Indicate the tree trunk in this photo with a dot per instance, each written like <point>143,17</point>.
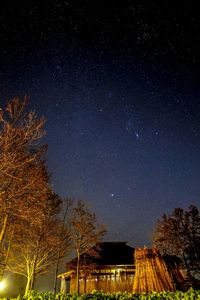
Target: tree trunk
<point>77,271</point>
<point>3,228</point>
<point>33,271</point>
<point>85,284</point>
<point>59,245</point>
<point>32,282</point>
<point>28,284</point>
<point>188,279</point>
<point>56,271</point>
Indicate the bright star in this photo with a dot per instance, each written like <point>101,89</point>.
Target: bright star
<point>137,134</point>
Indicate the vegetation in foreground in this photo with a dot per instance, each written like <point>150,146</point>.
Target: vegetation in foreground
<point>96,295</point>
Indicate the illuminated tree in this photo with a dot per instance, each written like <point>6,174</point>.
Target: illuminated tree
<point>23,174</point>
<point>179,234</point>
<point>86,233</point>
<point>35,247</point>
<point>29,224</point>
<point>22,170</point>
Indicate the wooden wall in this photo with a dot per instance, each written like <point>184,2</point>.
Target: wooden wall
<point>107,283</point>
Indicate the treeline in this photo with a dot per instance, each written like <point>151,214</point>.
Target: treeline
<point>37,227</point>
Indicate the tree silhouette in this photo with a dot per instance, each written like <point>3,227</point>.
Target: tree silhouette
<point>86,232</point>
<point>179,234</point>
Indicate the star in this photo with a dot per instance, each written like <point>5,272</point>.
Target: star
<point>137,135</point>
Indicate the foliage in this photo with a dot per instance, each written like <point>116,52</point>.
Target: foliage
<point>29,223</point>
<point>178,295</point>
<point>35,247</point>
<point>22,168</point>
<point>24,179</point>
<point>179,234</point>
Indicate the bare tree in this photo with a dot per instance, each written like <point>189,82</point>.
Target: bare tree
<point>22,168</point>
<point>34,250</point>
<point>23,174</point>
<point>63,235</point>
<point>86,232</point>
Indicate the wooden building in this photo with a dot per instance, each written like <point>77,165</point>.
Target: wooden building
<point>110,271</point>
<point>119,267</point>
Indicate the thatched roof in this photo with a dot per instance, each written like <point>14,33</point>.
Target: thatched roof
<point>151,272</point>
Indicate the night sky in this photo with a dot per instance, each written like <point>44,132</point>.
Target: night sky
<point>118,82</point>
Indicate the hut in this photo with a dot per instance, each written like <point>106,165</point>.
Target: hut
<point>111,270</point>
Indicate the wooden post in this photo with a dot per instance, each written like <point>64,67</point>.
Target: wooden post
<point>63,287</point>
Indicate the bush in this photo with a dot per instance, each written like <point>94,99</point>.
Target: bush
<point>96,295</point>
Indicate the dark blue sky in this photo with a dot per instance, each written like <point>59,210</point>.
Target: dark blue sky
<point>119,86</point>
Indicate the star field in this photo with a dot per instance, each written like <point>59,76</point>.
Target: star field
<point>118,82</point>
